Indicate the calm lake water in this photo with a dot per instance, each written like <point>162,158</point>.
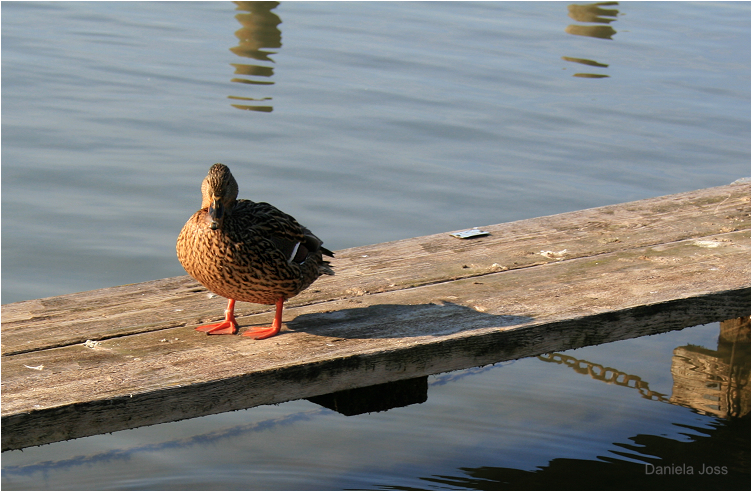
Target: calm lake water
<point>370,122</point>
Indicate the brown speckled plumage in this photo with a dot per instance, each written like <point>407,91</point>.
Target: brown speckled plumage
<point>247,251</point>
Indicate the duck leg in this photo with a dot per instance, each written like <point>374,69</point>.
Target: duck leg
<point>268,331</point>
<point>226,327</point>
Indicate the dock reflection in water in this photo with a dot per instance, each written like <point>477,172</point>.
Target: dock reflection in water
<point>259,39</point>
<point>591,13</point>
<point>711,382</point>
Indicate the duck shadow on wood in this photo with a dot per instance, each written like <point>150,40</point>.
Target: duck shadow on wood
<point>383,321</point>
<point>400,321</point>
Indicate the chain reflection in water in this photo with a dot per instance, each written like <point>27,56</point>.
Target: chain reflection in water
<point>606,374</point>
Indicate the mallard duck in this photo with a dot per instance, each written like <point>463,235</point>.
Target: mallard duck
<point>247,251</point>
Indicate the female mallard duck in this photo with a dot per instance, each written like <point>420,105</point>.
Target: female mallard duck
<point>247,251</point>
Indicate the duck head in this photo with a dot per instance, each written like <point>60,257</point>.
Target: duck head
<point>219,191</point>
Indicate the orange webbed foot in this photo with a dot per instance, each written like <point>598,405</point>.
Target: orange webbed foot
<point>222,328</point>
<point>262,333</point>
<point>268,331</point>
<point>228,326</point>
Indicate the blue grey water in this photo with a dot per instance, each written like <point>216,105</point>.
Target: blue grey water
<point>368,122</point>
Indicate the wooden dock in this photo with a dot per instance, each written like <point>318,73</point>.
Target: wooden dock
<point>128,356</point>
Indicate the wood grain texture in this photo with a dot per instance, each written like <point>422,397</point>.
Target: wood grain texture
<point>394,311</point>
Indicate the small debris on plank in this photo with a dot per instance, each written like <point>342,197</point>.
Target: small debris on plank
<point>554,255</point>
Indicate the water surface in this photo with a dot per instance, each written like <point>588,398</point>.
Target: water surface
<point>371,122</point>
<point>388,120</point>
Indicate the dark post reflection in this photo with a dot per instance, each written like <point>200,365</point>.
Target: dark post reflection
<point>591,13</point>
<point>258,35</point>
<point>715,382</point>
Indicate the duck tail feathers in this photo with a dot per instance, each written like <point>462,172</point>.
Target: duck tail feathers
<point>325,268</point>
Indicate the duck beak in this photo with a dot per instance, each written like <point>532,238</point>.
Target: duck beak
<point>216,212</point>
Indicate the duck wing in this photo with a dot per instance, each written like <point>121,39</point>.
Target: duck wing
<point>264,220</point>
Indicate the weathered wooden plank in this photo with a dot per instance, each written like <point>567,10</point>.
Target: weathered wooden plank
<point>155,377</point>
<point>346,340</point>
<point>180,301</point>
